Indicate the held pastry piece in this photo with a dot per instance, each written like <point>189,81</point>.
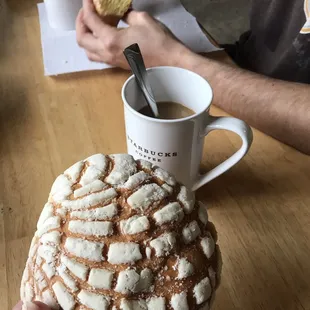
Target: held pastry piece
<point>112,10</point>
<point>120,234</point>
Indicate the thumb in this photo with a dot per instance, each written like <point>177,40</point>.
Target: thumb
<point>34,306</point>
<point>137,18</point>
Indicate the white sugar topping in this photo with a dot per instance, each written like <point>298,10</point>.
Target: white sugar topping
<point>124,167</point>
<point>33,242</point>
<point>68,280</point>
<point>133,304</point>
<point>191,232</point>
<point>51,238</point>
<point>134,225</point>
<point>100,161</point>
<point>22,291</point>
<point>187,198</point>
<point>164,244</point>
<point>208,245</point>
<point>49,300</point>
<point>104,213</point>
<point>185,268</point>
<point>49,224</point>
<point>148,252</point>
<point>85,249</point>
<point>29,293</point>
<point>135,180</point>
<point>146,164</point>
<point>78,269</point>
<point>179,301</point>
<point>127,281</point>
<point>91,228</point>
<point>33,248</point>
<point>156,303</point>
<point>74,171</point>
<point>202,291</point>
<point>62,212</point>
<point>46,213</point>
<point>64,298</point>
<point>47,252</point>
<point>40,280</point>
<point>203,213</point>
<point>90,200</point>
<point>124,253</point>
<point>25,276</point>
<point>145,196</point>
<point>93,187</point>
<point>39,260</point>
<point>93,301</point>
<point>165,176</point>
<point>100,278</point>
<point>98,165</point>
<point>167,188</point>
<point>90,175</point>
<point>170,213</point>
<point>49,269</point>
<point>61,188</point>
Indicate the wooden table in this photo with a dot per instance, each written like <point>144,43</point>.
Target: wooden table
<point>261,207</point>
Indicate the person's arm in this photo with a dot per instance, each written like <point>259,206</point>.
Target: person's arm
<point>280,109</point>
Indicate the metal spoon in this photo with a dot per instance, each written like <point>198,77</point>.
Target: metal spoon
<point>136,63</point>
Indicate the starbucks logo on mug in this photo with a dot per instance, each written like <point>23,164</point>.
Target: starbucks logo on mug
<point>148,154</point>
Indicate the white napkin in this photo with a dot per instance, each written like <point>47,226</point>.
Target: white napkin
<point>61,54</point>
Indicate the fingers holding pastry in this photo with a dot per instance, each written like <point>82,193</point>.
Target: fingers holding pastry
<point>91,18</point>
<point>84,36</point>
<point>112,10</point>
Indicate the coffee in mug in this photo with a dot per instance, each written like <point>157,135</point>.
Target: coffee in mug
<point>168,110</point>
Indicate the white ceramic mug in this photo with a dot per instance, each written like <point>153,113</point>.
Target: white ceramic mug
<point>62,14</point>
<point>177,145</point>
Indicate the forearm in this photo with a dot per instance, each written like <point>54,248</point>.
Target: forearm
<point>278,108</point>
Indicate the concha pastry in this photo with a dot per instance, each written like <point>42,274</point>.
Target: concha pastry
<point>121,234</point>
<point>112,10</point>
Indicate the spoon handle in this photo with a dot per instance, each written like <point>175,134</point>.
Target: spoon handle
<point>136,63</point>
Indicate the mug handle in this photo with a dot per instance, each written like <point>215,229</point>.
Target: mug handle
<point>232,124</point>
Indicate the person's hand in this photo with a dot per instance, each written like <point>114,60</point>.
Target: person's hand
<point>104,43</point>
<point>36,305</point>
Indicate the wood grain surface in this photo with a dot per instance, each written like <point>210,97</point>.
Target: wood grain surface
<point>261,207</point>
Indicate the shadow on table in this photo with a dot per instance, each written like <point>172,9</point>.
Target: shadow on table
<point>13,115</point>
<point>91,75</point>
<point>242,183</point>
